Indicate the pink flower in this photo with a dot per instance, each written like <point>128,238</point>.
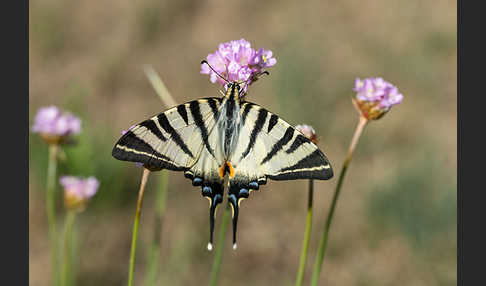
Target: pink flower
<point>375,97</point>
<point>308,132</point>
<point>77,191</point>
<point>263,59</point>
<point>55,126</point>
<point>237,61</point>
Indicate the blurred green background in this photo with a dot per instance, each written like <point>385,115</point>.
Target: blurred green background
<point>395,222</point>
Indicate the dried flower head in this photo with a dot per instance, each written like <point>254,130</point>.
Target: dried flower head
<point>77,191</point>
<point>55,126</point>
<point>237,61</point>
<point>375,97</point>
<point>308,132</point>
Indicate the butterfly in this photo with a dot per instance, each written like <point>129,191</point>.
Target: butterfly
<point>217,137</point>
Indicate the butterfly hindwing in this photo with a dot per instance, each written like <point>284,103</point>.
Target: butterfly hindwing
<point>269,147</point>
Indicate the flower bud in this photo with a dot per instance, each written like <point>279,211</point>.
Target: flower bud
<point>308,132</point>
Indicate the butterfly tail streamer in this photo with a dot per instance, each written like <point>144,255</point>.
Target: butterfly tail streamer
<point>214,193</point>
<point>235,210</point>
<point>237,193</point>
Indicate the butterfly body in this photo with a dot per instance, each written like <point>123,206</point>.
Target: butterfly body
<point>211,138</point>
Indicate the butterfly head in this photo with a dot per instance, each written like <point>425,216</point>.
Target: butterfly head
<point>234,90</point>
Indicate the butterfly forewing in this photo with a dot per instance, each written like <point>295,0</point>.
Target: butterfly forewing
<point>270,147</point>
<point>174,139</point>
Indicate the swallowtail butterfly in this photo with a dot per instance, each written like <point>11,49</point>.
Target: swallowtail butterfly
<point>214,137</point>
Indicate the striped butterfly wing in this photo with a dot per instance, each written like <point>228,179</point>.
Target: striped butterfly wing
<point>174,139</point>
<point>183,138</point>
<point>193,137</point>
<point>269,147</point>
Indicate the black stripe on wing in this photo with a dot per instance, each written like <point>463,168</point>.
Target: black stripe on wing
<point>181,109</point>
<point>272,122</point>
<point>299,140</point>
<point>313,166</point>
<point>262,116</point>
<point>214,106</point>
<point>289,133</point>
<point>134,149</point>
<point>198,120</point>
<point>150,125</point>
<point>246,109</point>
<point>165,124</point>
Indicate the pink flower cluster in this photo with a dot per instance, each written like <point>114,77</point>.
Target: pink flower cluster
<point>77,190</point>
<point>237,61</point>
<point>55,125</point>
<point>375,96</point>
<point>377,90</point>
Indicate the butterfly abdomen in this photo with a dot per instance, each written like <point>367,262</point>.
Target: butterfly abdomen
<point>229,125</point>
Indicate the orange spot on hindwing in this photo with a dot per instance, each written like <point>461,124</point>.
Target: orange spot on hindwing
<point>226,168</point>
<point>221,170</point>
<point>231,169</point>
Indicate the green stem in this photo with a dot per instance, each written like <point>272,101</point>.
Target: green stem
<point>51,210</point>
<point>323,242</point>
<point>160,206</point>
<point>219,249</point>
<point>305,244</point>
<point>161,197</point>
<point>131,268</point>
<point>68,236</point>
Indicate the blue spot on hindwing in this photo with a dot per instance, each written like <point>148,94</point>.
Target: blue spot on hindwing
<point>243,193</point>
<point>197,181</point>
<point>206,191</point>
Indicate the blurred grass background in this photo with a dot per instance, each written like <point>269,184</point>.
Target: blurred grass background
<point>396,220</point>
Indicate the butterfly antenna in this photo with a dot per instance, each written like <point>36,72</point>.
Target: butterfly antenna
<point>247,82</point>
<point>262,73</point>
<point>206,62</point>
<point>255,76</point>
